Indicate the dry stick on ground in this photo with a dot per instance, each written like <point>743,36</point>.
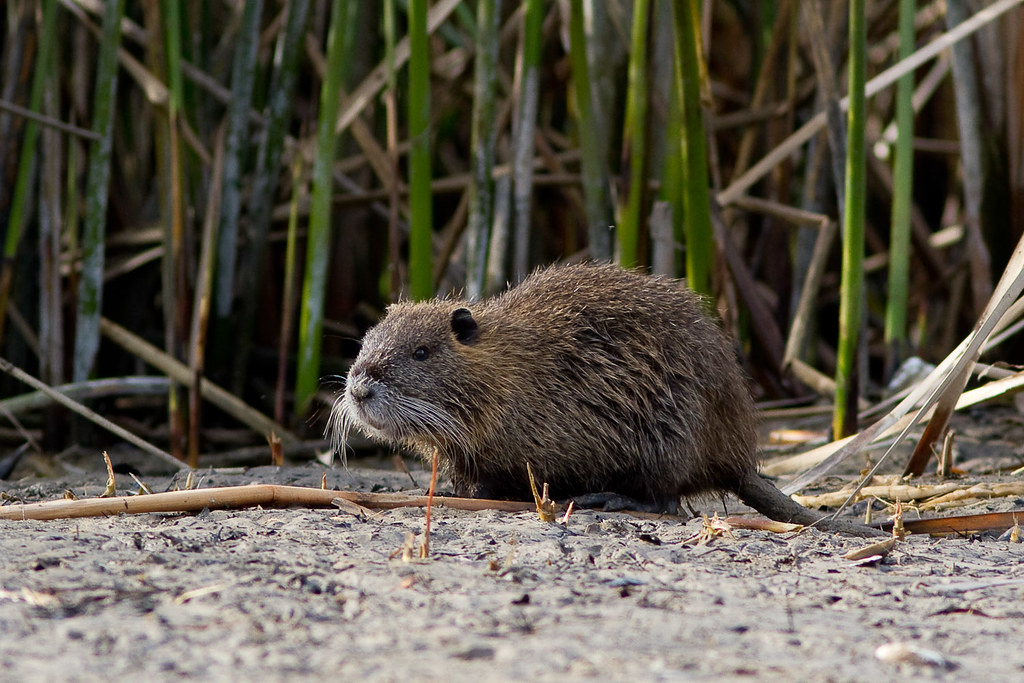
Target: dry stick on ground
<point>229,497</point>
<point>88,414</point>
<point>273,496</point>
<point>177,371</point>
<point>983,491</point>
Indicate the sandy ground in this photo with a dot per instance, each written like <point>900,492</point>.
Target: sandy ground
<point>302,594</point>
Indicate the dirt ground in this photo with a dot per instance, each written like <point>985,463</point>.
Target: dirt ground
<point>300,594</point>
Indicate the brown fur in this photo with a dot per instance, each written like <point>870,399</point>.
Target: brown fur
<point>602,379</point>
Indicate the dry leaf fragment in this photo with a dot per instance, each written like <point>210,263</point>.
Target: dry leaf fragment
<point>880,549</point>
<point>354,509</point>
<point>29,596</point>
<point>897,522</point>
<point>908,653</point>
<point>794,436</point>
<point>276,450</point>
<point>408,549</point>
<point>761,524</point>
<point>711,529</point>
<point>144,489</point>
<point>546,508</point>
<point>199,592</point>
<point>1013,533</point>
<point>110,490</point>
<point>568,511</point>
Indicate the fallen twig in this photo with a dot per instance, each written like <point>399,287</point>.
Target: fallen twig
<point>886,492</point>
<point>232,497</point>
<point>934,496</point>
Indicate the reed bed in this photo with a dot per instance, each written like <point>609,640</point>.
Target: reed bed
<point>246,185</point>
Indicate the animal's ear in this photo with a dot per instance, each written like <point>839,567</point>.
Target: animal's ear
<point>464,326</point>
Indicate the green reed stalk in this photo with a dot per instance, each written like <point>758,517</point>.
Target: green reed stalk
<point>595,196</point>
<point>288,291</point>
<point>237,144</point>
<point>280,101</point>
<point>90,286</point>
<point>672,172</point>
<point>391,282</point>
<point>421,219</point>
<point>523,132</point>
<point>844,419</point>
<point>696,198</point>
<point>26,160</point>
<point>903,184</point>
<point>634,141</point>
<point>314,285</point>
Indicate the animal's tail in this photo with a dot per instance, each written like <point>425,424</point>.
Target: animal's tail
<point>760,494</point>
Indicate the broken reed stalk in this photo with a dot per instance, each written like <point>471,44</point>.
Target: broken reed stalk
<point>425,550</point>
<point>886,427</point>
<point>178,372</point>
<point>88,414</point>
<point>97,388</point>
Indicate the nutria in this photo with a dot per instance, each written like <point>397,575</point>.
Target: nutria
<point>602,379</point>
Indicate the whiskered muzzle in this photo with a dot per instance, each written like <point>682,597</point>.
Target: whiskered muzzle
<point>392,417</point>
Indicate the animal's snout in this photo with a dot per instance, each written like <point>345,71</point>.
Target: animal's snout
<point>370,371</point>
<point>361,390</point>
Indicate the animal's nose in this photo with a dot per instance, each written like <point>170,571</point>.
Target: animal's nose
<point>361,391</point>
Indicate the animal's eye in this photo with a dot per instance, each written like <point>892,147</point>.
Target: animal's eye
<point>421,353</point>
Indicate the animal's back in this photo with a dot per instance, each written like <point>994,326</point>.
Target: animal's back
<point>618,382</point>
